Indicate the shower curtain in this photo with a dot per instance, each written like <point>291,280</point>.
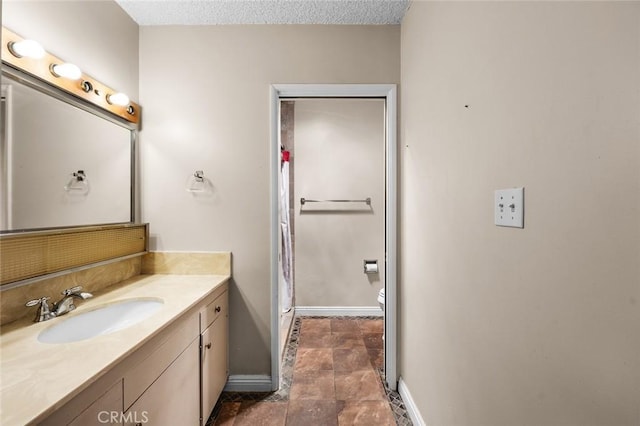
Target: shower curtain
<point>286,291</point>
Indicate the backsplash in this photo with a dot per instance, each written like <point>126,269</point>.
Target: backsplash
<point>12,302</point>
<point>216,263</point>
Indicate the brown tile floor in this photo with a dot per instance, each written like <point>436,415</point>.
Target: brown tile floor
<point>335,380</point>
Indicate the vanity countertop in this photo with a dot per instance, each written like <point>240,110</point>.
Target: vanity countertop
<point>38,378</point>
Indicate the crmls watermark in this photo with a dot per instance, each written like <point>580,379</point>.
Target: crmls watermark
<point>135,417</point>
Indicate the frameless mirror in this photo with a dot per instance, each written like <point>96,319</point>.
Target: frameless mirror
<point>63,163</point>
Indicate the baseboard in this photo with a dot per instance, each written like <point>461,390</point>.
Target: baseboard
<point>410,405</point>
<point>248,383</point>
<point>339,311</point>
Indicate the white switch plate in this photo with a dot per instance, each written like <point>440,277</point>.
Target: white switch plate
<point>509,207</point>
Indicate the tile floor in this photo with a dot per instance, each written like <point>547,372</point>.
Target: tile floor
<point>331,375</point>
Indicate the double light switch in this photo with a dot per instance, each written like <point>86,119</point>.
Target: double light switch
<point>509,207</point>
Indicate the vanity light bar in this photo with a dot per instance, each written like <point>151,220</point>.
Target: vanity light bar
<point>65,76</point>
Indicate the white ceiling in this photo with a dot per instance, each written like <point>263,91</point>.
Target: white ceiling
<point>222,12</point>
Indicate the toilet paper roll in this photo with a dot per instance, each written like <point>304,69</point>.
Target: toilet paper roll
<point>370,268</point>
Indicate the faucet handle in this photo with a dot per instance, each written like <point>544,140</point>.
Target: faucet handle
<point>41,301</point>
<point>43,313</point>
<point>71,290</point>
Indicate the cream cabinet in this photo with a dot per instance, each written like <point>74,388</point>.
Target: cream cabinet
<point>173,379</point>
<point>93,407</point>
<point>173,398</point>
<point>214,360</point>
<point>105,409</point>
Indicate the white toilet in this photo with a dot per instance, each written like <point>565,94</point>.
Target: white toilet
<point>381,299</point>
<point>381,303</point>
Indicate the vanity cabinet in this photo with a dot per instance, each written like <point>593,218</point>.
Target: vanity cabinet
<point>214,360</point>
<point>173,379</point>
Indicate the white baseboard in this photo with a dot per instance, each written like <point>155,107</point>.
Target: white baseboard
<point>410,405</point>
<point>248,383</point>
<point>339,311</point>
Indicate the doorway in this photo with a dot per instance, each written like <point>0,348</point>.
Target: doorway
<point>387,95</point>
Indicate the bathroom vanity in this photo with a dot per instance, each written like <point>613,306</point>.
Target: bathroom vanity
<point>145,349</point>
<point>169,368</point>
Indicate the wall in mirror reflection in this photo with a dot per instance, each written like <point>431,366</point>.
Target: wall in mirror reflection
<point>45,143</point>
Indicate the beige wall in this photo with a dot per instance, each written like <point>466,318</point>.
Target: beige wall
<point>534,326</point>
<point>206,96</point>
<point>339,153</point>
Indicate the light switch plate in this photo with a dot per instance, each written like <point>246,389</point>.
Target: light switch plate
<point>509,207</point>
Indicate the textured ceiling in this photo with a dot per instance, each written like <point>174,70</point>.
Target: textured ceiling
<point>221,12</point>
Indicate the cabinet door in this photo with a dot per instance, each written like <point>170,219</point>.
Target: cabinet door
<point>214,363</point>
<point>106,409</point>
<point>173,398</point>
<point>93,406</point>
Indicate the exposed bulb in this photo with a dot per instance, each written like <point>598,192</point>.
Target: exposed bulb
<point>70,71</point>
<point>26,49</point>
<point>118,99</point>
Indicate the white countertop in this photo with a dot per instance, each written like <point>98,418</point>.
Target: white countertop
<point>37,378</point>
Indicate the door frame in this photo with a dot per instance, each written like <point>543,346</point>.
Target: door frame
<point>389,93</point>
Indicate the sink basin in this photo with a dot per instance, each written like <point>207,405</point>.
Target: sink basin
<point>99,321</point>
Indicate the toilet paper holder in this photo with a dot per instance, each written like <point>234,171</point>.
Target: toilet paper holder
<point>370,266</point>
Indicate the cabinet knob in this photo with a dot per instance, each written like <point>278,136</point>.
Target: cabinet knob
<point>218,308</point>
<point>208,345</point>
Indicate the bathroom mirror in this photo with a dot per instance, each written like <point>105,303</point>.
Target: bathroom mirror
<point>63,162</point>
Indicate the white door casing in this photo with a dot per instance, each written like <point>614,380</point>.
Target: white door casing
<point>389,93</point>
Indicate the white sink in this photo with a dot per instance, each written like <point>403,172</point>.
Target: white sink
<point>99,321</point>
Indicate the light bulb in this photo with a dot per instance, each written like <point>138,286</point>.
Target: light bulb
<point>118,99</point>
<point>27,49</point>
<point>70,71</point>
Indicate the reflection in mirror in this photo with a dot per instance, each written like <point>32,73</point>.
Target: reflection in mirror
<point>61,165</point>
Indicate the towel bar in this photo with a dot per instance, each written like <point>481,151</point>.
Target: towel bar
<point>367,201</point>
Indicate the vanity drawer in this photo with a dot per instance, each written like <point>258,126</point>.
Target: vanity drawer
<point>213,310</point>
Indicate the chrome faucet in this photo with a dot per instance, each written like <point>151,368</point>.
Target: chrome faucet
<point>66,305</point>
